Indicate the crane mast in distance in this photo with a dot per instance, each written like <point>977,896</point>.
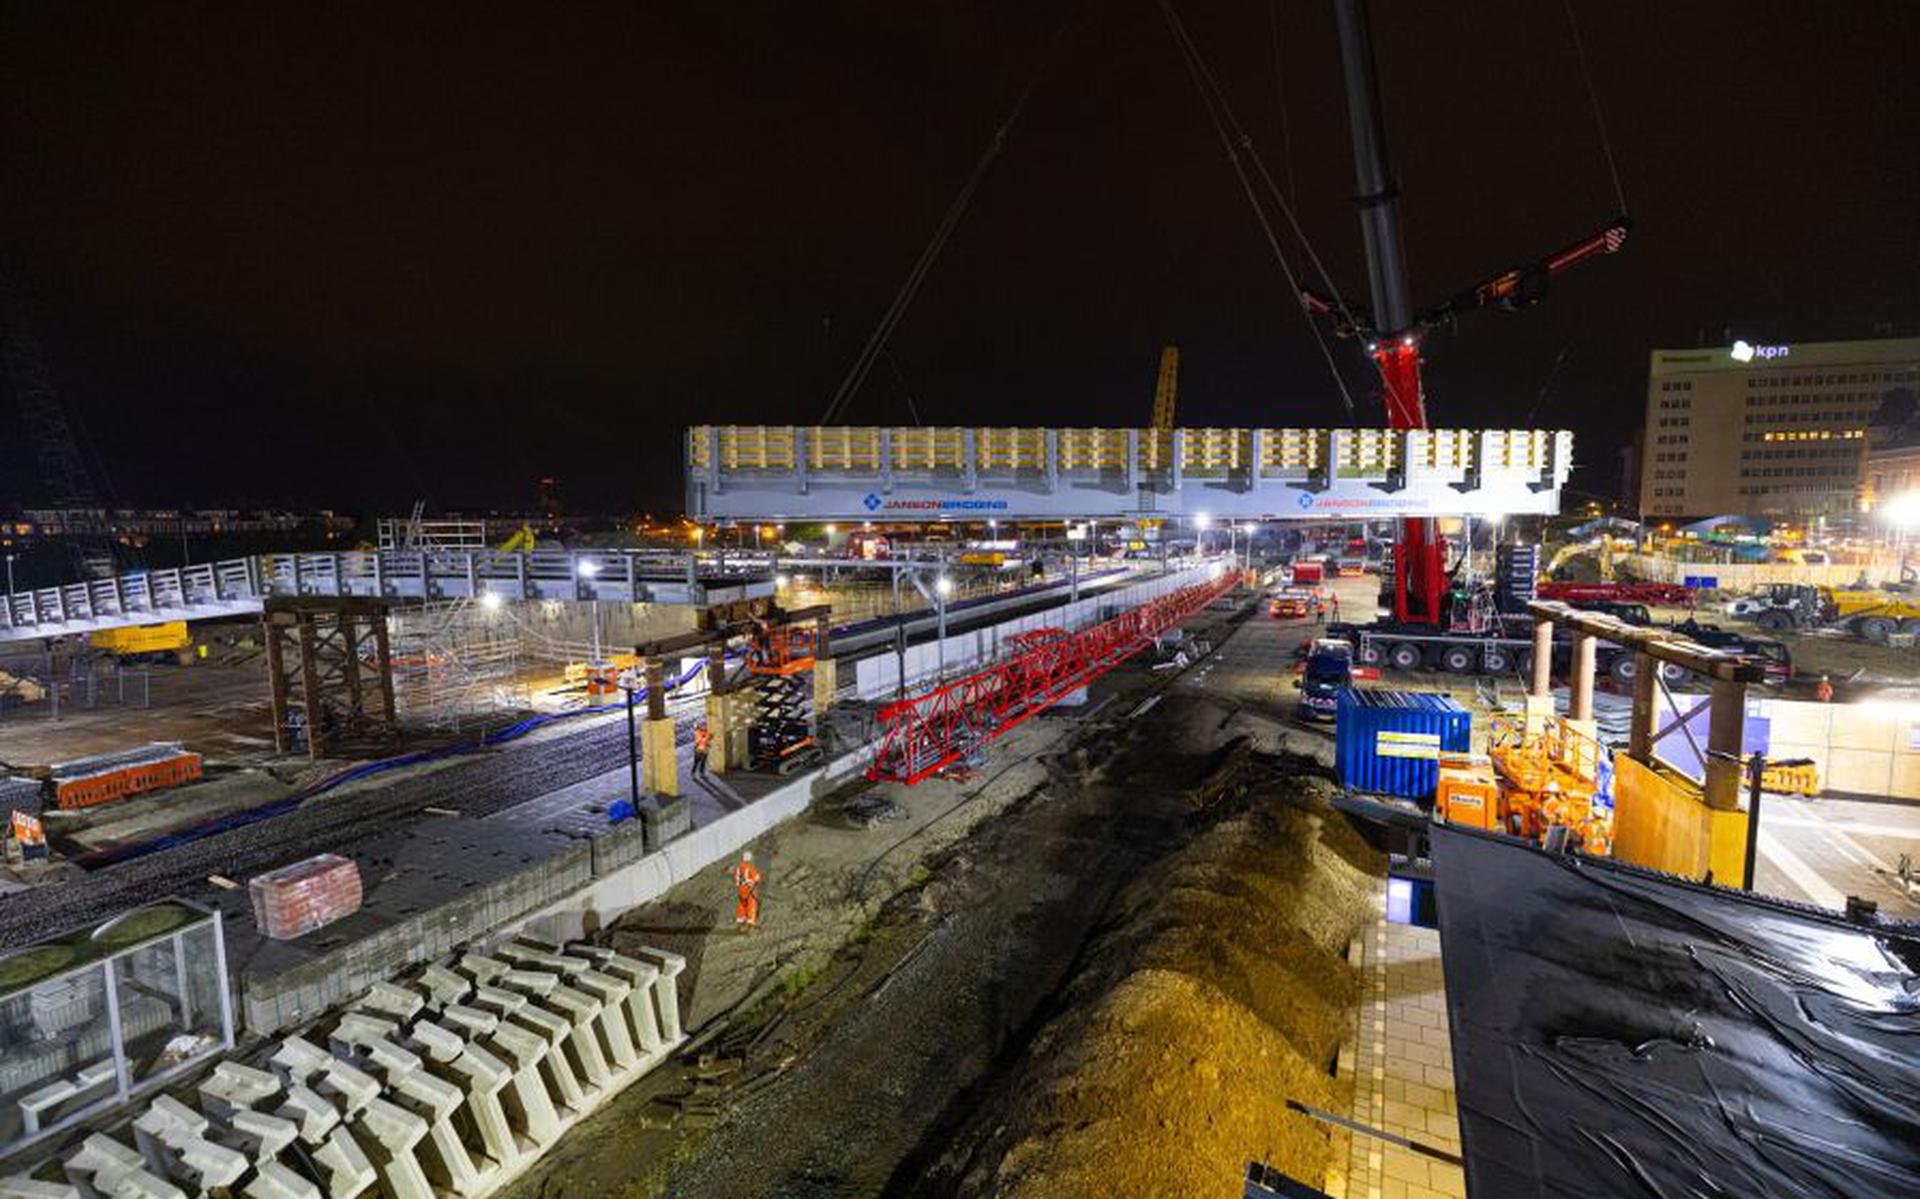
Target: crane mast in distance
<point>1392,326</point>
<point>1166,388</point>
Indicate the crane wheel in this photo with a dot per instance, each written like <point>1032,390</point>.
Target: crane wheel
<point>1774,621</point>
<point>1496,660</point>
<point>1405,655</point>
<point>1624,667</point>
<point>1877,629</point>
<point>1457,659</point>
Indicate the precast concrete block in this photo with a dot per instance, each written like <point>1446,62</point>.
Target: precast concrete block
<point>640,976</point>
<point>233,1087</point>
<point>104,1167</point>
<point>349,1173</point>
<point>482,1077</point>
<point>611,994</point>
<point>264,1136</point>
<point>99,1154</point>
<point>389,1134</point>
<point>18,1186</point>
<point>275,1181</point>
<point>469,1021</point>
<point>308,1111</point>
<point>481,968</point>
<point>354,1030</point>
<point>446,1159</point>
<point>348,1087</point>
<point>436,1040</point>
<point>666,992</point>
<point>532,1103</point>
<point>502,1003</point>
<point>299,1060</point>
<point>393,1000</point>
<point>443,986</point>
<point>578,1009</point>
<point>554,1067</point>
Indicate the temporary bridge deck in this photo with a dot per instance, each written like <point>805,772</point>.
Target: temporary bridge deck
<point>239,586</point>
<point>762,472</point>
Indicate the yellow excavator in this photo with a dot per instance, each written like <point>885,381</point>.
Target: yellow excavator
<point>522,540</point>
<point>1602,548</point>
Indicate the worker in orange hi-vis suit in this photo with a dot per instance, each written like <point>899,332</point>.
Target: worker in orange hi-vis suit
<point>746,885</point>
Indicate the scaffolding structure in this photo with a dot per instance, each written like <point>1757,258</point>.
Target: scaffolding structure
<point>455,663</point>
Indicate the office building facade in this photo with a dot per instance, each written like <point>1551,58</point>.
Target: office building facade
<point>1767,430</point>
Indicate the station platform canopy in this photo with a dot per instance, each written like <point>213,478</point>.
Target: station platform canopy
<point>789,472</point>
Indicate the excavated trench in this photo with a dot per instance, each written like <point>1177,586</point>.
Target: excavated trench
<point>1105,981</point>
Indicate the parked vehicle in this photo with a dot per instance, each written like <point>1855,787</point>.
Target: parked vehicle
<point>1292,604</point>
<point>1869,614</point>
<point>1328,671</point>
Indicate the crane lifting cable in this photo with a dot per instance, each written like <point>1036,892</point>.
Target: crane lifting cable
<point>1599,118</point>
<point>1235,142</point>
<point>876,342</point>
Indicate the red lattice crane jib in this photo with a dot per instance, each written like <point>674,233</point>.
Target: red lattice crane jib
<point>927,733</point>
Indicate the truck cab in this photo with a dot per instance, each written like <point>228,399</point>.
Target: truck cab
<point>1328,672</point>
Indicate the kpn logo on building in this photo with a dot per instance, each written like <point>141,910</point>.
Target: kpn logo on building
<point>1747,352</point>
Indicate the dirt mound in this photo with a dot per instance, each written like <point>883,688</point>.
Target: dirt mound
<point>1218,991</point>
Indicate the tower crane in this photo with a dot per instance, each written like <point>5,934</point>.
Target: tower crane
<point>1165,390</point>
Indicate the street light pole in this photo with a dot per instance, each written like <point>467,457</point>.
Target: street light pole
<point>630,685</point>
<point>587,571</point>
<point>10,558</point>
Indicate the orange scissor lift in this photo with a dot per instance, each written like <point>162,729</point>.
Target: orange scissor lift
<point>782,737</point>
<point>1531,780</point>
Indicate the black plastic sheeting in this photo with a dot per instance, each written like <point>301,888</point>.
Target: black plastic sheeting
<point>1621,1033</point>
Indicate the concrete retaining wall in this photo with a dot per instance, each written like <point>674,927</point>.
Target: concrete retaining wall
<point>606,899</point>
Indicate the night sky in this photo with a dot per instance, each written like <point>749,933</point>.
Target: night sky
<point>352,255</point>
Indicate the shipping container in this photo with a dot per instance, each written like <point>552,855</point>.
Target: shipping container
<point>1390,742</point>
<point>136,640</point>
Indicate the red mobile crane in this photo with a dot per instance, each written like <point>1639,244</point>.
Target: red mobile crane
<point>1393,328</point>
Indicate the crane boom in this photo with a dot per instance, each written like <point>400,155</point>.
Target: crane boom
<point>1393,327</point>
<point>1166,388</point>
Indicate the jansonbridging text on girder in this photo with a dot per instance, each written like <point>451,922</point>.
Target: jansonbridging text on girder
<point>788,472</point>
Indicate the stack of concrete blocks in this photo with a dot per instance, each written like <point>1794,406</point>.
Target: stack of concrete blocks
<point>447,1083</point>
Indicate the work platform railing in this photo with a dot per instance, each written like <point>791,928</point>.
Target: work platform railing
<point>239,586</point>
<point>755,472</point>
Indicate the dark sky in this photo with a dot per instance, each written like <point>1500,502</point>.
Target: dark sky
<point>354,254</point>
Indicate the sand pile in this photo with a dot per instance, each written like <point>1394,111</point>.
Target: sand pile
<point>1218,991</point>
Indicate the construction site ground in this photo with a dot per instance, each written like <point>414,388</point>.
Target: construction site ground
<point>906,965</point>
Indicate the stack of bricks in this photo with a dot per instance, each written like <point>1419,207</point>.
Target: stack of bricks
<point>448,1082</point>
<point>294,900</point>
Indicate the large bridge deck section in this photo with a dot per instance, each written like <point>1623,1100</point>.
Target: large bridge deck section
<point>239,586</point>
<point>767,472</point>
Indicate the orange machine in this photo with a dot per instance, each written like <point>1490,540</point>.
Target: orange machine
<point>1548,776</point>
<point>1468,793</point>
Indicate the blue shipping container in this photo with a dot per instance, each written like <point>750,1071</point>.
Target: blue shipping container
<point>1390,742</point>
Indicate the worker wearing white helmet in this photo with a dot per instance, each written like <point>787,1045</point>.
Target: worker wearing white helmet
<point>746,886</point>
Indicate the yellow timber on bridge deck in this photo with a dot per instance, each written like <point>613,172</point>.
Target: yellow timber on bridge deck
<point>750,472</point>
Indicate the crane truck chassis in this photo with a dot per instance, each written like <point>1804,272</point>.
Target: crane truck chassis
<point>1507,649</point>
